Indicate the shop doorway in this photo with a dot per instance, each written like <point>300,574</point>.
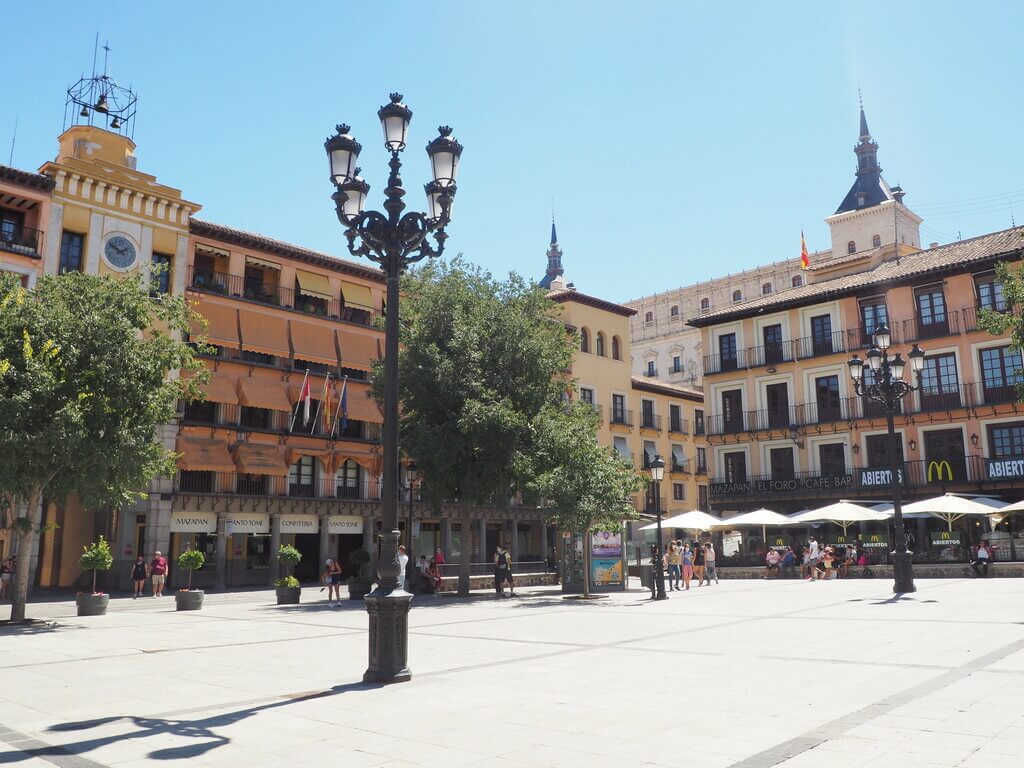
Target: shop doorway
<point>347,544</point>
<point>493,537</point>
<point>308,569</point>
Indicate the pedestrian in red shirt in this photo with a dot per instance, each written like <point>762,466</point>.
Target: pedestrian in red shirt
<point>158,571</point>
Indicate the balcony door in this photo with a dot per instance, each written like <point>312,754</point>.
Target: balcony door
<point>735,465</point>
<point>821,335</point>
<point>777,400</point>
<point>727,352</point>
<point>879,452</point>
<point>829,404</point>
<point>781,460</point>
<point>732,411</point>
<point>945,457</point>
<point>931,312</point>
<point>873,313</point>
<point>772,335</point>
<point>832,459</point>
<point>940,387</point>
<point>1000,374</point>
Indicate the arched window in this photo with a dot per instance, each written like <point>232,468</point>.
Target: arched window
<point>876,241</point>
<point>616,348</point>
<point>584,340</point>
<point>851,247</point>
<point>705,305</point>
<point>737,295</point>
<point>347,480</point>
<point>599,344</point>
<point>766,289</point>
<point>674,311</point>
<point>649,317</point>
<point>797,281</point>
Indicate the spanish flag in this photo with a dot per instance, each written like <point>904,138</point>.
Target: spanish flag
<point>805,260</point>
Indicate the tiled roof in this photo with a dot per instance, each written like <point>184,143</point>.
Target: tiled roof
<point>29,179</point>
<point>567,294</point>
<point>269,245</point>
<point>647,384</point>
<point>1008,243</point>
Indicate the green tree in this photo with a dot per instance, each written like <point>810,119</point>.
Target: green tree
<point>482,361</point>
<point>96,557</point>
<point>86,378</point>
<point>582,485</point>
<point>1011,319</point>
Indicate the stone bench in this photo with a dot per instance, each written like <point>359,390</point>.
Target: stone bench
<point>451,583</point>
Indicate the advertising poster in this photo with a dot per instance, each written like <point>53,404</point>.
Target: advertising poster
<point>875,541</point>
<point>606,572</point>
<point>946,539</point>
<point>606,544</point>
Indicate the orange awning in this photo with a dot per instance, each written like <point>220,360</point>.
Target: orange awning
<point>264,333</point>
<point>357,296</point>
<point>263,394</point>
<point>358,349</point>
<point>362,407</point>
<point>370,463</point>
<point>261,459</point>
<point>222,328</point>
<point>313,341</point>
<point>295,452</point>
<point>222,389</point>
<point>314,284</point>
<point>204,454</point>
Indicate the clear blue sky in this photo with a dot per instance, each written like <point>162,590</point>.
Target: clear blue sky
<point>679,141</point>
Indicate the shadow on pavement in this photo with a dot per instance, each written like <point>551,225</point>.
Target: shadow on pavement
<point>201,729</point>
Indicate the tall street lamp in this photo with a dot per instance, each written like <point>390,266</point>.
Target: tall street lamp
<point>657,470</point>
<point>887,387</point>
<point>394,241</point>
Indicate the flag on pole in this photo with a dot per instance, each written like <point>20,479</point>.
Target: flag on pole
<point>327,411</point>
<point>343,404</point>
<point>319,405</point>
<point>303,395</point>
<point>805,260</point>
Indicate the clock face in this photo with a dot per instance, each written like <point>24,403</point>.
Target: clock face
<point>119,252</point>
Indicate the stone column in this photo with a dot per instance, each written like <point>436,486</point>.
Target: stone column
<point>446,536</point>
<point>275,544</point>
<point>514,544</point>
<point>544,542</point>
<point>465,554</point>
<point>482,549</point>
<point>923,543</point>
<point>220,567</point>
<point>325,544</point>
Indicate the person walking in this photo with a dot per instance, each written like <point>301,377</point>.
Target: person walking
<point>687,566</point>
<point>6,577</point>
<point>139,574</point>
<point>403,561</point>
<point>503,572</point>
<point>674,560</point>
<point>655,559</point>
<point>699,560</point>
<point>332,579</point>
<point>158,573</point>
<point>709,563</point>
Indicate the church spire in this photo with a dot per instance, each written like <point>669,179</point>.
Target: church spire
<point>869,188</point>
<point>554,270</point>
<point>554,237</point>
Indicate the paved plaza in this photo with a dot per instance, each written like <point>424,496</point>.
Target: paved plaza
<point>745,673</point>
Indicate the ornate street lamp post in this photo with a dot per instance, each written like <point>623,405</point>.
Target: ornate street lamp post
<point>888,388</point>
<point>411,476</point>
<point>657,470</point>
<point>394,241</point>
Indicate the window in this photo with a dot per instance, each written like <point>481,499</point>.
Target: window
<point>616,348</point>
<point>766,289</point>
<point>203,411</point>
<point>931,312</point>
<point>735,466</point>
<point>347,480</point>
<point>251,484</point>
<point>599,344</point>
<point>727,352</point>
<point>878,451</point>
<point>702,497</point>
<point>797,281</point>
<point>673,313</point>
<point>255,418</point>
<point>678,459</point>
<point>584,340</point>
<point>772,335</point>
<point>300,477</point>
<point>832,459</point>
<point>940,387</point>
<point>650,451</point>
<point>777,400</point>
<point>649,317</point>
<point>698,421</point>
<point>702,459</point>
<point>732,411</point>
<point>651,371</point>
<point>873,313</point>
<point>70,252</point>
<point>647,414</point>
<point>1006,441</point>
<point>826,391</point>
<point>249,356</point>
<point>876,241</point>
<point>705,305</point>
<point>675,418</point>
<point>851,247</point>
<point>195,481</point>
<point>1000,373</point>
<point>162,272</point>
<point>781,460</point>
<point>587,395</point>
<point>677,364</point>
<point>821,335</point>
<point>737,295</point>
<point>678,492</point>
<point>622,448</point>
<point>11,223</point>
<point>619,409</point>
<point>990,292</point>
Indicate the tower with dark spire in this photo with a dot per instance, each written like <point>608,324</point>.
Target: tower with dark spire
<point>554,270</point>
<point>869,188</point>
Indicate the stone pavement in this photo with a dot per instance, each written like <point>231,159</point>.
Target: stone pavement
<point>745,673</point>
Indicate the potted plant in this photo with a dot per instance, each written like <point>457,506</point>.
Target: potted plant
<point>95,557</point>
<point>359,586</point>
<point>288,589</point>
<point>189,599</point>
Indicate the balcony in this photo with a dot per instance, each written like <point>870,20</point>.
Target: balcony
<point>243,419</point>
<point>771,354</point>
<point>681,467</point>
<point>821,345</point>
<point>621,417</point>
<point>679,426</point>
<point>725,363</point>
<point>238,484</point>
<point>271,294</point>
<point>922,329</point>
<point>18,239</point>
<point>650,421</point>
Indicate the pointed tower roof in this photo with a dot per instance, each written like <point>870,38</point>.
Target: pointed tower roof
<point>554,254</point>
<point>554,236</point>
<point>869,188</point>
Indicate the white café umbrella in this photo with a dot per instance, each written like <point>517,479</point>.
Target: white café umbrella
<point>843,513</point>
<point>694,520</point>
<point>763,517</point>
<point>949,507</point>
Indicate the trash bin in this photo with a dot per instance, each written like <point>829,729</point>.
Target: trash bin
<point>646,575</point>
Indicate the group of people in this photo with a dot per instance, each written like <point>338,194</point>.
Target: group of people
<point>155,570</point>
<point>684,561</point>
<point>816,562</point>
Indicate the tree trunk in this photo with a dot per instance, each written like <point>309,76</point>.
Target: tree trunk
<point>586,563</point>
<point>26,539</point>
<point>465,552</point>
<point>94,581</point>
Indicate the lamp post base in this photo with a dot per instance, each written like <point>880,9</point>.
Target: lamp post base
<point>659,585</point>
<point>389,636</point>
<point>903,573</point>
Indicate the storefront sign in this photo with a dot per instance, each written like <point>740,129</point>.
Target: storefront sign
<point>825,482</point>
<point>946,539</point>
<point>776,486</point>
<point>300,524</point>
<point>606,544</point>
<point>239,522</point>
<point>731,489</point>
<point>997,469</point>
<point>878,477</point>
<point>193,522</point>
<point>777,542</point>
<point>875,541</point>
<point>939,470</point>
<point>344,524</point>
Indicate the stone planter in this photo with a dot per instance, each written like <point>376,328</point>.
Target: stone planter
<point>189,600</point>
<point>357,590</point>
<point>92,605</point>
<point>288,595</point>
